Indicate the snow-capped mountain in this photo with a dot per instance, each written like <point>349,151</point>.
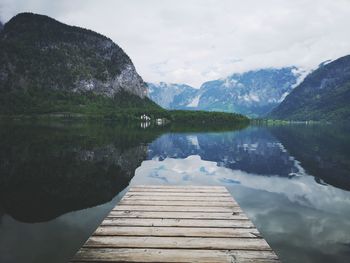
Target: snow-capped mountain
<point>171,96</point>
<point>253,93</point>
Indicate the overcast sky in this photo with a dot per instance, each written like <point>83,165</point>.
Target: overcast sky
<point>192,41</point>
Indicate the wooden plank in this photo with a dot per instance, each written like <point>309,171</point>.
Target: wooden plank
<point>169,208</point>
<point>176,194</point>
<point>183,215</point>
<point>178,203</point>
<point>177,242</point>
<point>173,255</point>
<point>180,198</point>
<point>180,187</point>
<point>241,223</point>
<point>176,231</point>
<point>179,191</point>
<point>183,190</point>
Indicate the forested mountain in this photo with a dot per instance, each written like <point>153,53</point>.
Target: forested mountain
<point>47,66</point>
<point>323,95</point>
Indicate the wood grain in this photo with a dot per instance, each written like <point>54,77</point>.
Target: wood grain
<point>173,255</point>
<point>177,242</point>
<point>178,203</point>
<point>226,194</point>
<point>180,198</point>
<point>176,222</point>
<point>181,215</point>
<point>169,208</point>
<point>176,231</point>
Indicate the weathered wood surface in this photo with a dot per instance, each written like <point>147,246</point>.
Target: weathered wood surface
<point>241,223</point>
<point>176,224</point>
<point>181,215</point>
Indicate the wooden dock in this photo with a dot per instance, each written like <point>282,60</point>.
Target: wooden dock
<point>176,224</point>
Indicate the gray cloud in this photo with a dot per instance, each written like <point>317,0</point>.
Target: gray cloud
<point>197,40</point>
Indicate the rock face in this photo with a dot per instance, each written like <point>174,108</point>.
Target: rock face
<point>323,95</point>
<point>253,93</point>
<point>38,52</point>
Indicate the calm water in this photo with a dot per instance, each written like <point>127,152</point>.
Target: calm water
<point>59,180</point>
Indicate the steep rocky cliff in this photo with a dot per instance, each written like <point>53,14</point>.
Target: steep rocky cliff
<point>41,57</point>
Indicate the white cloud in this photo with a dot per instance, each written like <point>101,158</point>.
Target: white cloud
<point>301,189</point>
<point>197,40</point>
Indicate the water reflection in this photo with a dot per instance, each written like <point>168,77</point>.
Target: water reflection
<point>292,181</point>
<point>145,125</point>
<point>323,151</point>
<point>253,150</point>
<point>289,180</point>
<point>192,170</point>
<point>48,171</point>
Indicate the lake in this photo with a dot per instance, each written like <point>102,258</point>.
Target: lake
<point>58,180</point>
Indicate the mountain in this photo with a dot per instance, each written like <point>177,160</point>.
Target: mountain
<point>1,26</point>
<point>253,93</point>
<point>171,96</point>
<point>323,95</point>
<point>47,66</point>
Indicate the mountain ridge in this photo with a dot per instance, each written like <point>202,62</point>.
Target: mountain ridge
<point>253,93</point>
<point>323,95</point>
<point>168,95</point>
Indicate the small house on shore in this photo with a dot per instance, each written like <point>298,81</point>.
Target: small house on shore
<point>144,117</point>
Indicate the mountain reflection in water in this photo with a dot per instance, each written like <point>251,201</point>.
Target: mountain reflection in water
<point>49,171</point>
<point>292,181</point>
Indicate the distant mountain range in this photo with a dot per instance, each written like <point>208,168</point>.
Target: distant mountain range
<point>171,96</point>
<point>253,93</point>
<point>323,95</point>
<point>286,93</point>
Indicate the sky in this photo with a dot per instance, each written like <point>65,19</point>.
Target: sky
<point>193,41</point>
